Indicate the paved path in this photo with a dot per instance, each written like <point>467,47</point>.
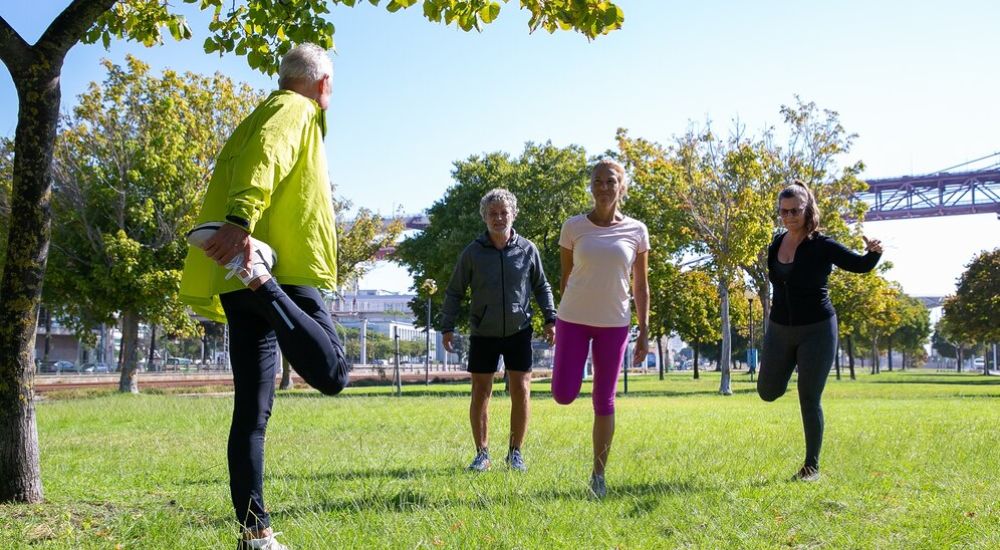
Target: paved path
<point>361,376</point>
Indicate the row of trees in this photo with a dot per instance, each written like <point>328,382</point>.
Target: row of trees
<point>709,203</point>
<point>970,320</point>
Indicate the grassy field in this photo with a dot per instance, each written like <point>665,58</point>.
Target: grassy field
<point>910,461</point>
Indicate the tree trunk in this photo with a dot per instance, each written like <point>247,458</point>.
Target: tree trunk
<point>695,362</point>
<point>850,357</point>
<point>38,93</point>
<point>286,375</point>
<point>130,351</point>
<point>659,350</point>
<point>150,365</point>
<point>877,359</point>
<point>874,355</point>
<point>35,72</point>
<point>725,358</point>
<point>888,345</point>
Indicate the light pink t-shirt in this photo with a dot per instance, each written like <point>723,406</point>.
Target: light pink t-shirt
<point>597,292</point>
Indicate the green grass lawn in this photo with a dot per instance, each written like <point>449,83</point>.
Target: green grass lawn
<point>910,461</point>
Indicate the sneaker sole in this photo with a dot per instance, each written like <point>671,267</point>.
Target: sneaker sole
<point>476,470</point>
<point>200,234</point>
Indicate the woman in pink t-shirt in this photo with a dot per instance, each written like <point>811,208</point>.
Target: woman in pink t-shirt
<point>600,252</point>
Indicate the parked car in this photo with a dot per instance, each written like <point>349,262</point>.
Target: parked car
<point>96,368</point>
<point>65,366</point>
<point>45,366</point>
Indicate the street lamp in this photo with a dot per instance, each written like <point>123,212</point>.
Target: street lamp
<point>751,351</point>
<point>429,288</point>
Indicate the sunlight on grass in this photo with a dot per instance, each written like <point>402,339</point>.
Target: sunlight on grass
<point>908,462</point>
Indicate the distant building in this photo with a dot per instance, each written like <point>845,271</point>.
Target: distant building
<point>54,341</point>
<point>383,312</point>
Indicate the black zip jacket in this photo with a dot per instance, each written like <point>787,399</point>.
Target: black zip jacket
<point>502,283</point>
<point>803,297</point>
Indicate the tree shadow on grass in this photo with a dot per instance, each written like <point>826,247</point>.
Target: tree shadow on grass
<point>536,394</point>
<point>647,493</point>
<point>370,473</point>
<point>646,496</point>
<point>398,501</point>
<point>626,490</point>
<point>674,393</point>
<point>984,381</point>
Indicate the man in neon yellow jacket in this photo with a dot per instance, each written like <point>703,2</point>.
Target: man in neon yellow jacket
<point>267,219</point>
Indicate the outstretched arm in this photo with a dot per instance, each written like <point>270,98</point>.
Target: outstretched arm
<point>847,260</point>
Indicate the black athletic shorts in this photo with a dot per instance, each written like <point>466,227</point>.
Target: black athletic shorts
<point>485,352</point>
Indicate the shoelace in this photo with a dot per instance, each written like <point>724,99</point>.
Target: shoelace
<point>271,543</point>
<point>237,269</point>
<point>235,266</point>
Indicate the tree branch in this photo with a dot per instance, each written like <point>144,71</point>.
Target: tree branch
<point>68,27</point>
<point>14,51</point>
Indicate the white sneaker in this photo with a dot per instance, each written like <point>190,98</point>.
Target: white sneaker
<point>266,543</point>
<point>262,259</point>
<point>807,473</point>
<point>200,234</point>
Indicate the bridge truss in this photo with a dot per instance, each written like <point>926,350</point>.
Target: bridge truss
<point>941,194</point>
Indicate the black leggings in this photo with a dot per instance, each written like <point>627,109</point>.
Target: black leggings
<point>296,319</point>
<point>811,347</point>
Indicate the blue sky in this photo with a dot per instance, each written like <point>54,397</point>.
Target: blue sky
<point>916,81</point>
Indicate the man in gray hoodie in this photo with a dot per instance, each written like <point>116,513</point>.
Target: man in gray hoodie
<point>504,269</point>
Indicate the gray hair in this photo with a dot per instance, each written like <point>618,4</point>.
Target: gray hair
<point>614,165</point>
<point>307,62</point>
<point>498,195</point>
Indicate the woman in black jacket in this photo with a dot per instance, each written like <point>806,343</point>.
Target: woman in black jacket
<point>802,329</point>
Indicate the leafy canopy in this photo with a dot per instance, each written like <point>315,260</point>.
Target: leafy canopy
<point>264,30</point>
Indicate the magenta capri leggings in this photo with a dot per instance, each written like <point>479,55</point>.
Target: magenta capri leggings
<point>573,342</point>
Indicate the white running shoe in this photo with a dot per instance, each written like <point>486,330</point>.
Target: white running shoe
<point>197,236</point>
<point>262,258</point>
<point>267,543</point>
<point>807,473</point>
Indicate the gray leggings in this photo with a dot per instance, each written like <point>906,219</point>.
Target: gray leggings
<point>811,348</point>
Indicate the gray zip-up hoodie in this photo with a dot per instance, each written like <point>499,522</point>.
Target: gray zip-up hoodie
<point>502,283</point>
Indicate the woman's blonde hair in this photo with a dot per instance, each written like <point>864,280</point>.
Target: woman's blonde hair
<point>617,167</point>
<point>798,190</point>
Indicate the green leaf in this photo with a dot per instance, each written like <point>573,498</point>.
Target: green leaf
<point>175,29</point>
<point>489,12</point>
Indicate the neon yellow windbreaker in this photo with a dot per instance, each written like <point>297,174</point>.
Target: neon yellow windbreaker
<point>272,172</point>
